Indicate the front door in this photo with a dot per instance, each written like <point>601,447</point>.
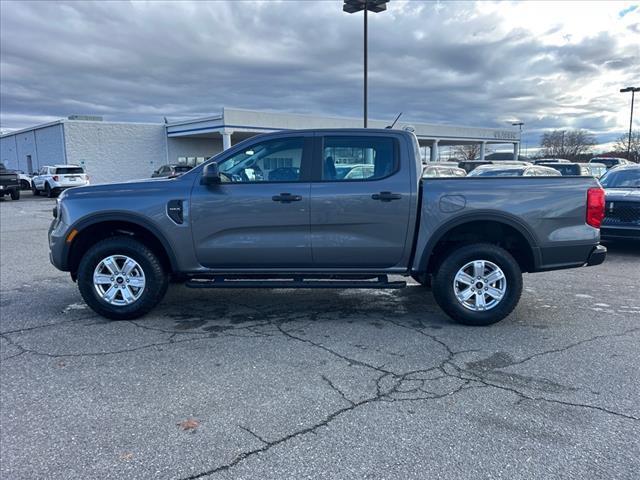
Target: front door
<point>258,216</point>
<point>360,208</point>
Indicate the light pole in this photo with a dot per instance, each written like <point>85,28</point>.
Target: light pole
<point>375,6</point>
<point>633,90</point>
<point>519,124</point>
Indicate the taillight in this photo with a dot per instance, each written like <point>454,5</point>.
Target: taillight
<point>55,178</point>
<point>595,207</point>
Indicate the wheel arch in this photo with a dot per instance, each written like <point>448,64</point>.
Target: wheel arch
<point>97,227</point>
<point>491,227</point>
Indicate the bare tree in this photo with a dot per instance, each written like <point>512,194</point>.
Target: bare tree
<point>622,145</point>
<point>467,152</point>
<point>569,144</point>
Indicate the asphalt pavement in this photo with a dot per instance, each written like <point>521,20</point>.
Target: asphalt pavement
<point>280,384</point>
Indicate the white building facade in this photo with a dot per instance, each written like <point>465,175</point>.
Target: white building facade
<point>120,151</point>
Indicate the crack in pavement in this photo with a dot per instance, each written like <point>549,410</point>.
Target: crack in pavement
<point>572,345</point>
<point>394,381</point>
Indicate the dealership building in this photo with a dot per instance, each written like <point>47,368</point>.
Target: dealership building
<point>117,151</point>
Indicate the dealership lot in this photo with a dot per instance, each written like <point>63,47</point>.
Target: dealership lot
<point>309,384</point>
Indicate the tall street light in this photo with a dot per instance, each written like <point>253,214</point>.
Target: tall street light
<point>519,124</point>
<point>374,6</point>
<point>633,90</point>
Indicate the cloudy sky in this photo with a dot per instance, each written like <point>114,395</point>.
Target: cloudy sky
<point>549,64</point>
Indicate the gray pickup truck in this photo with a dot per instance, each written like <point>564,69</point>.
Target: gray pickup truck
<point>324,209</point>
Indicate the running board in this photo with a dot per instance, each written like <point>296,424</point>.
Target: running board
<point>382,282</point>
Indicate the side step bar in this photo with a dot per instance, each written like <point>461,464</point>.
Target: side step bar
<point>382,282</point>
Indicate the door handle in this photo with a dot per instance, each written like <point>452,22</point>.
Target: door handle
<point>286,198</point>
<point>386,196</point>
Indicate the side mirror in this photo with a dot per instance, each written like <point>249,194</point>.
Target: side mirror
<point>210,174</point>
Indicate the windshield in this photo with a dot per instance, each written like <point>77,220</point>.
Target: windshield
<point>628,178</point>
<point>511,172</point>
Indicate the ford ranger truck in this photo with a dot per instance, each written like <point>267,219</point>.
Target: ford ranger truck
<point>345,208</point>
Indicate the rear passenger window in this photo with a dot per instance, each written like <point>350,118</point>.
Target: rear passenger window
<point>358,158</point>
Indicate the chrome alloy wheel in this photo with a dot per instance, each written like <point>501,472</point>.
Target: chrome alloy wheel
<point>119,280</point>
<point>480,285</point>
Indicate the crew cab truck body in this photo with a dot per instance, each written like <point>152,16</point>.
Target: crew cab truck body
<point>272,212</point>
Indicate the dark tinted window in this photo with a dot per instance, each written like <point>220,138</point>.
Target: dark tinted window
<point>69,170</point>
<point>362,158</point>
<point>563,168</point>
<point>181,168</point>
<point>608,162</point>
<point>621,179</point>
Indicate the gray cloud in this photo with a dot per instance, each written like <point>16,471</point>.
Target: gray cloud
<point>141,61</point>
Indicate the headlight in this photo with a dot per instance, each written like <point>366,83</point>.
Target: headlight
<point>57,211</point>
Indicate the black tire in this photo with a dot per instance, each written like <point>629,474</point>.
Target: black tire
<point>36,192</point>
<point>24,185</point>
<point>48,191</point>
<point>157,280</point>
<point>443,284</point>
<point>15,194</point>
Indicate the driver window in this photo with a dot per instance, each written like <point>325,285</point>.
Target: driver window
<point>270,161</point>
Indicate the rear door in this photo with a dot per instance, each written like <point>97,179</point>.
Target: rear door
<point>359,222</point>
<point>40,178</point>
<point>258,216</point>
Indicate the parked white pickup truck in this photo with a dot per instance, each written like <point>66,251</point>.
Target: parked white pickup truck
<point>51,180</point>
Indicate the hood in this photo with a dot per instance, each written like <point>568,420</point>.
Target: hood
<point>620,194</point>
<point>124,188</point>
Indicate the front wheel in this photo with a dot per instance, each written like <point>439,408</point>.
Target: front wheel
<point>121,278</point>
<point>15,194</point>
<point>35,191</point>
<point>478,284</point>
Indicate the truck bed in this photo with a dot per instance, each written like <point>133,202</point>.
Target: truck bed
<point>549,211</point>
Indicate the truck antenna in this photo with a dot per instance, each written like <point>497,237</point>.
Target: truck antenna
<point>394,122</point>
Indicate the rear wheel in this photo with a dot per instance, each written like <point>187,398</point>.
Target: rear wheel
<point>15,194</point>
<point>478,284</point>
<point>121,278</point>
<point>48,191</point>
<point>24,185</point>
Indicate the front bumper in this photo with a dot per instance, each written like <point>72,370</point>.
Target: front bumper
<point>57,249</point>
<point>597,255</point>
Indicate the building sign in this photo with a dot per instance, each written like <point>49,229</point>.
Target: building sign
<point>505,135</point>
